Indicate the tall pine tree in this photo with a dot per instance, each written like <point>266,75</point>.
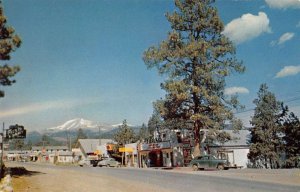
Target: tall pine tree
<point>9,42</point>
<point>124,134</point>
<point>291,129</point>
<point>266,134</point>
<point>196,57</point>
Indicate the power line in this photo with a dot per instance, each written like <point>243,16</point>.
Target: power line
<point>286,101</point>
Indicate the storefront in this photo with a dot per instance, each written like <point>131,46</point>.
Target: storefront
<point>155,154</point>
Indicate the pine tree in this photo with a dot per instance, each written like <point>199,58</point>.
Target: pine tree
<point>143,133</point>
<point>80,135</point>
<point>196,58</point>
<point>266,133</point>
<point>155,122</point>
<point>125,134</point>
<point>291,139</point>
<point>9,42</point>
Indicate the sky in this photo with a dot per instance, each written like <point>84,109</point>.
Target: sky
<point>83,58</point>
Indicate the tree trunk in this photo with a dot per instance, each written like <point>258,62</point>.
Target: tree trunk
<point>197,139</point>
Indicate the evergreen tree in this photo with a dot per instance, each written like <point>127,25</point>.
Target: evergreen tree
<point>143,133</point>
<point>125,134</point>
<point>291,139</point>
<point>266,133</point>
<point>29,145</point>
<point>9,42</point>
<point>45,140</point>
<point>155,122</point>
<point>80,135</point>
<point>196,58</point>
<point>17,144</point>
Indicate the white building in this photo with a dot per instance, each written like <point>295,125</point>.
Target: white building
<point>235,150</point>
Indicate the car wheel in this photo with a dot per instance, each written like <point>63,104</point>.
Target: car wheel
<point>195,168</point>
<point>220,167</point>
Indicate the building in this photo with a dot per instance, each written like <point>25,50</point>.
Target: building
<point>131,155</point>
<point>64,157</point>
<point>235,150</point>
<point>171,149</point>
<point>47,153</point>
<point>92,148</point>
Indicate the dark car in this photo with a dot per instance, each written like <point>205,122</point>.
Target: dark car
<point>208,161</point>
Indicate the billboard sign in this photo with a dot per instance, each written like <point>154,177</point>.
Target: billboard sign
<point>16,132</point>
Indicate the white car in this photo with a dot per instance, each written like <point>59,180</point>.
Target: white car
<point>109,162</point>
<point>84,163</point>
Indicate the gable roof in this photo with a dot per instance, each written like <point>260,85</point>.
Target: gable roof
<point>88,145</point>
<point>54,148</point>
<point>238,139</point>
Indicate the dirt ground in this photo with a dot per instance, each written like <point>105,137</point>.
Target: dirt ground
<point>55,180</point>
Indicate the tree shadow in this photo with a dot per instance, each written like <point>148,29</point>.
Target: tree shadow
<point>21,171</point>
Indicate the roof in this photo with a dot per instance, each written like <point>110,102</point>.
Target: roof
<point>55,148</point>
<point>65,153</point>
<point>238,139</point>
<point>88,145</point>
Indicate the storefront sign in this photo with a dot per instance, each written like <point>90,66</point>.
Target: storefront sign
<point>151,146</point>
<point>125,149</point>
<point>16,132</point>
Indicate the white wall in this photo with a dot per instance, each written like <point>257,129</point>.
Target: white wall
<point>240,157</point>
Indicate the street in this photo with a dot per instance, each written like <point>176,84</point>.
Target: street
<point>70,178</point>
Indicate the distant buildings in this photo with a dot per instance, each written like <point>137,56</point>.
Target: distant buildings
<point>170,149</point>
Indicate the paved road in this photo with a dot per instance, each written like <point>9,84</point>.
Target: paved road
<point>176,181</point>
<point>166,180</point>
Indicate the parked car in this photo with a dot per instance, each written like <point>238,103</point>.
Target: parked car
<point>209,161</point>
<point>84,163</point>
<point>109,162</point>
<point>88,162</point>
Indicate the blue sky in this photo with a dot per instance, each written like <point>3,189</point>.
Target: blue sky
<point>83,58</point>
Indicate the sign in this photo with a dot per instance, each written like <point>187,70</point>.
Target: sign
<point>152,146</point>
<point>126,149</point>
<point>16,132</point>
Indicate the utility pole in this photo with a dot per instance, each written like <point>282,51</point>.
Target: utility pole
<point>2,150</point>
<point>99,134</point>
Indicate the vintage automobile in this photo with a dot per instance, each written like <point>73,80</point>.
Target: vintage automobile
<point>84,162</point>
<point>88,162</point>
<point>209,161</point>
<point>109,162</point>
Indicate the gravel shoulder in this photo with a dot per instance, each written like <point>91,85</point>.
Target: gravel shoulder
<point>47,179</point>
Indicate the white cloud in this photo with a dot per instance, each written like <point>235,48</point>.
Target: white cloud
<point>285,37</point>
<point>288,71</point>
<point>44,106</point>
<point>247,27</point>
<point>235,90</point>
<point>283,4</point>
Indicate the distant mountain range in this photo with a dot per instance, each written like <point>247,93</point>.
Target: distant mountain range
<point>78,123</point>
<point>69,129</point>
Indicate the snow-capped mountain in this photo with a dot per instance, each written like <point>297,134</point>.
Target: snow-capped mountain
<point>81,123</point>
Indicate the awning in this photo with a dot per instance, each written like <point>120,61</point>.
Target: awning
<point>126,149</point>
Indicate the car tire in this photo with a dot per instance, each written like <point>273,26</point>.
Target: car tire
<point>220,167</point>
<point>195,167</point>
